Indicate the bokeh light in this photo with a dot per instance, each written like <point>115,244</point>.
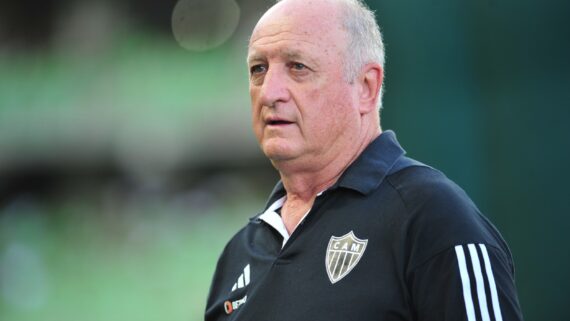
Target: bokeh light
<point>200,25</point>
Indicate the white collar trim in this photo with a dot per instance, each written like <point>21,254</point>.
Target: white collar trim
<point>271,217</point>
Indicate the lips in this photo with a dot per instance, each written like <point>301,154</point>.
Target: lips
<point>276,121</point>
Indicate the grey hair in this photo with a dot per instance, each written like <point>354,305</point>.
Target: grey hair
<point>365,43</point>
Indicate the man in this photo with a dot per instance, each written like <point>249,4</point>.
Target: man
<point>354,230</point>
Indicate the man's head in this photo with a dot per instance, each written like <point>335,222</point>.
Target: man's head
<point>315,80</point>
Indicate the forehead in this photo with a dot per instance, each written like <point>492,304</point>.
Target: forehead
<point>280,40</point>
<point>292,31</point>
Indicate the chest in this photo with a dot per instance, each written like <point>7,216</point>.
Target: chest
<point>342,263</point>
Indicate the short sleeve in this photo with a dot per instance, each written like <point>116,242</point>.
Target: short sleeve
<point>468,282</point>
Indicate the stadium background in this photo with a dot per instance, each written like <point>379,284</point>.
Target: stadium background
<point>127,162</point>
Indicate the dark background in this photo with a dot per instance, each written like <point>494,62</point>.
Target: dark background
<point>127,162</point>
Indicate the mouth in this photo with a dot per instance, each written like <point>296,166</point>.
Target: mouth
<point>278,122</point>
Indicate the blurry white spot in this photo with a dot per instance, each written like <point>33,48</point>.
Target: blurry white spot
<point>200,25</point>
<point>22,278</point>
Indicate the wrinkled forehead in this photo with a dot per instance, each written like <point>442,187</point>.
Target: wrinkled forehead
<point>304,21</point>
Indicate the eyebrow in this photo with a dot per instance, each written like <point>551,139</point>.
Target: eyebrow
<point>289,54</point>
<point>253,57</point>
<point>292,55</point>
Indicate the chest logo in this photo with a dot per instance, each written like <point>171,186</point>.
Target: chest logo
<point>343,253</point>
<point>243,279</point>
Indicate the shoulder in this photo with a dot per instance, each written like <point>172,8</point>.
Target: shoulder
<point>422,187</point>
<point>439,214</point>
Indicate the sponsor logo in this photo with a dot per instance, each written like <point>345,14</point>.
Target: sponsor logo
<point>242,281</point>
<point>231,306</point>
<point>343,253</point>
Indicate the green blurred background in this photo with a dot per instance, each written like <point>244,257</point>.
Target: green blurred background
<point>127,161</point>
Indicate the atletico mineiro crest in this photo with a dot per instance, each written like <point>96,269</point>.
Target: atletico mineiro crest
<point>343,253</point>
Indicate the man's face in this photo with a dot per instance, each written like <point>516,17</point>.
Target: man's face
<point>303,106</point>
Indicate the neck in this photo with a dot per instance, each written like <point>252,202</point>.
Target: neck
<point>303,180</point>
<point>304,183</point>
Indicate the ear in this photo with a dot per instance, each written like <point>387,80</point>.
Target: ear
<point>370,82</point>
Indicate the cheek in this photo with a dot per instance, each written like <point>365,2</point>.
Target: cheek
<point>256,123</point>
<point>333,100</point>
<point>255,107</point>
<point>255,112</point>
<point>253,94</point>
<point>337,113</point>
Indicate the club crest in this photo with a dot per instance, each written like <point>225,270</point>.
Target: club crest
<point>343,253</point>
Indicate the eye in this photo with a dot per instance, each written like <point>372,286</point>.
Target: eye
<point>298,66</point>
<point>257,69</point>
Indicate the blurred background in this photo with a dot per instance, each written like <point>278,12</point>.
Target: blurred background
<point>127,160</point>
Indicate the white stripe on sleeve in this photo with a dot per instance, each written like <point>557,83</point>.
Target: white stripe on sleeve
<point>492,285</point>
<point>465,283</point>
<point>479,281</point>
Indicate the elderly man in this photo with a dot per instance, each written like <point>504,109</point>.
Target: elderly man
<point>354,230</point>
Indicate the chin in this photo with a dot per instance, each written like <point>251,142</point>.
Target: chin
<point>277,152</point>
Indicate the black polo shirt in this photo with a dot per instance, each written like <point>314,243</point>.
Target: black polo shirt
<point>393,239</point>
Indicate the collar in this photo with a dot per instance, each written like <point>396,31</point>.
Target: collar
<point>373,165</point>
<point>271,217</point>
<point>367,172</point>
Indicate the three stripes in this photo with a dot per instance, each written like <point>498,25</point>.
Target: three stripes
<point>243,279</point>
<point>483,281</point>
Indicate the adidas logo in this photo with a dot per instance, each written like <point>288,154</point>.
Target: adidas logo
<point>243,279</point>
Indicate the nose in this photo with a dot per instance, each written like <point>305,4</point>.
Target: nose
<point>274,88</point>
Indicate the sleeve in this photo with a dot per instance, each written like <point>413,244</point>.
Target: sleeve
<point>468,282</point>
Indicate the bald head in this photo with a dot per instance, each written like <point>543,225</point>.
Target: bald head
<point>313,17</point>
